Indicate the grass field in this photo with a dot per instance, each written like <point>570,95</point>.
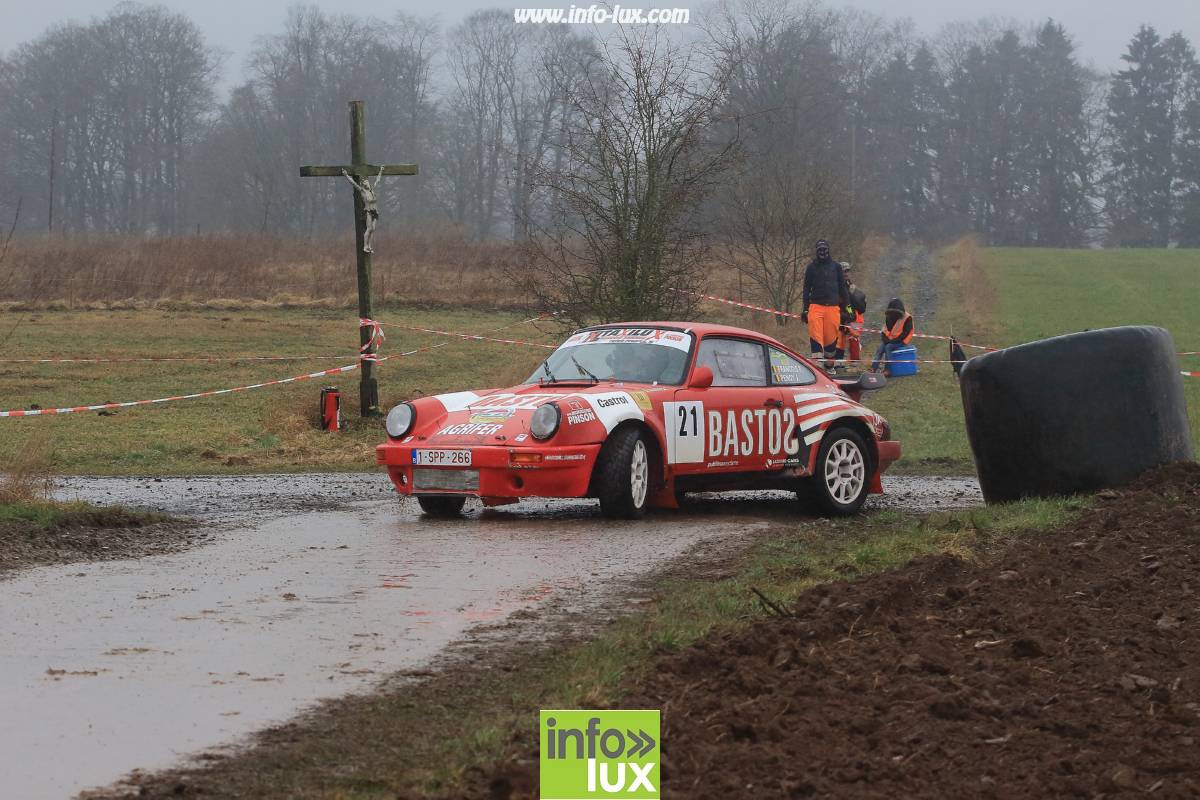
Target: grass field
<point>989,296</point>
<point>1006,296</point>
<point>270,429</point>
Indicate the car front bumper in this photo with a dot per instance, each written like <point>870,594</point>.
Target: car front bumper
<point>504,473</point>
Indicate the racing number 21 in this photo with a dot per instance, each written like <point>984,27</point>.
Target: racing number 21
<point>687,414</point>
<point>685,431</point>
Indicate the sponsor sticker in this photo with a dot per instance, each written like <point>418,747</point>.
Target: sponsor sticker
<point>493,415</point>
<point>585,754</point>
<point>570,457</point>
<point>675,339</point>
<point>642,399</point>
<point>580,417</point>
<point>471,429</point>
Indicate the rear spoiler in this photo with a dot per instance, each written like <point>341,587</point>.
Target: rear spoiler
<point>866,382</point>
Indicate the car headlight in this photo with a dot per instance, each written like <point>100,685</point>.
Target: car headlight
<point>400,420</point>
<point>544,422</point>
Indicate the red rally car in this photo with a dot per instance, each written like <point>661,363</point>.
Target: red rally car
<point>636,414</point>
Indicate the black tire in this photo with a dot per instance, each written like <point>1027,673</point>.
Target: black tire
<point>842,475</point>
<point>624,456</point>
<point>1074,413</point>
<point>438,505</point>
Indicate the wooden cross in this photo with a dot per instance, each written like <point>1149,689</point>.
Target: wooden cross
<point>359,169</point>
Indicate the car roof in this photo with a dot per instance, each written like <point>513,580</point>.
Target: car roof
<point>698,328</point>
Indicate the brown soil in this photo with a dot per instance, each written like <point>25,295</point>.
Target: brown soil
<point>1067,667</point>
<point>92,534</point>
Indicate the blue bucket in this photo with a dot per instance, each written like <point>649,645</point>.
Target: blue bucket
<point>903,361</point>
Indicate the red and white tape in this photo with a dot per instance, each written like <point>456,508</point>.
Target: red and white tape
<point>376,337</point>
<point>777,312</point>
<point>790,315</point>
<point>163,359</point>
<point>471,336</point>
<point>36,412</point>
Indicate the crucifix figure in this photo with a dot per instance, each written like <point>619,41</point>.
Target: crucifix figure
<point>370,203</point>
<point>366,216</point>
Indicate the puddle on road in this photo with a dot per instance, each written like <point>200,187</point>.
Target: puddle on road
<point>114,666</point>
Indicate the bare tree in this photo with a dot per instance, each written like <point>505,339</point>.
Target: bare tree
<point>771,217</point>
<point>623,233</point>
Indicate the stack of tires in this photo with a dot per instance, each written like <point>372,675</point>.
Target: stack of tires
<point>1075,413</point>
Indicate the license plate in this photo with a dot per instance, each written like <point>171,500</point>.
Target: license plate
<point>446,480</point>
<point>441,458</point>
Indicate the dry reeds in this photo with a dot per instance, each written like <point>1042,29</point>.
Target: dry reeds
<point>27,476</point>
<point>116,272</point>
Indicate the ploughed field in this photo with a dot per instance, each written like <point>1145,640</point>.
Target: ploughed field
<point>1064,666</point>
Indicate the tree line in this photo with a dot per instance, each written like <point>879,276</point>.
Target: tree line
<point>744,138</point>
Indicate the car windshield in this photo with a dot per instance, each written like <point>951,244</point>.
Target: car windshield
<point>639,355</point>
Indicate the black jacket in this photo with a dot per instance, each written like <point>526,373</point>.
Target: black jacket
<point>825,284</point>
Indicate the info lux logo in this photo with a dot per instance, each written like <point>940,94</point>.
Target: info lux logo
<point>587,754</point>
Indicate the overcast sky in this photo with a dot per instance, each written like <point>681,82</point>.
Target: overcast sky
<point>1101,27</point>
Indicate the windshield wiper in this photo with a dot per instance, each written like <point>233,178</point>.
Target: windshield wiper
<point>549,375</point>
<point>584,370</point>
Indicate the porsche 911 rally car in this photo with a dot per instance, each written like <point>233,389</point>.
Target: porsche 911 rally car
<point>636,414</point>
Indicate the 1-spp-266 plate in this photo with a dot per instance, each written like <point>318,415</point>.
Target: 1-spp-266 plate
<point>441,458</point>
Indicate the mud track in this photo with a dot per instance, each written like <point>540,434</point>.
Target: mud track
<point>1068,666</point>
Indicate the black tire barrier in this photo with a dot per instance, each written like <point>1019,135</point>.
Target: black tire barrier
<point>1075,413</point>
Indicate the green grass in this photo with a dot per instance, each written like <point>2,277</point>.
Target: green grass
<point>1016,295</point>
<point>1042,293</point>
<point>1036,293</point>
<point>48,515</point>
<point>270,429</point>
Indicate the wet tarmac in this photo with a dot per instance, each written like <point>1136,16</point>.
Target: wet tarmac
<point>312,587</point>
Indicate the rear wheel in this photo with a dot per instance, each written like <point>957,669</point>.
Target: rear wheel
<point>622,479</point>
<point>436,505</point>
<point>839,480</point>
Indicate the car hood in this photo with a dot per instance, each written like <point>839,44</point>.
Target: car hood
<point>501,416</point>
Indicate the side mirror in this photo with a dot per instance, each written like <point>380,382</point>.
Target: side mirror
<point>702,377</point>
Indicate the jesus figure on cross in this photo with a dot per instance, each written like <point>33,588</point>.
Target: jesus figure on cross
<point>370,201</point>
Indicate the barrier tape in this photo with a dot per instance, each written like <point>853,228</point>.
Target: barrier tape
<point>161,359</point>
<point>777,312</point>
<point>1189,374</point>
<point>37,412</point>
<point>472,336</point>
<point>374,340</point>
<point>789,314</point>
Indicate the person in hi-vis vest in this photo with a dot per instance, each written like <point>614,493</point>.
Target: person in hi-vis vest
<point>826,296</point>
<point>850,333</point>
<point>897,332</point>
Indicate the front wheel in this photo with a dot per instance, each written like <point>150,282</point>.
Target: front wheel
<point>839,480</point>
<point>622,480</point>
<point>441,505</point>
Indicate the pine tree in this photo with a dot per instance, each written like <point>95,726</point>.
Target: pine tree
<point>1058,165</point>
<point>1147,109</point>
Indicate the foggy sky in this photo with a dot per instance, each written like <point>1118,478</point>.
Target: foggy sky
<point>1101,28</point>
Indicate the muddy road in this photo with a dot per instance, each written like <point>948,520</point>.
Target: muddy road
<point>309,587</point>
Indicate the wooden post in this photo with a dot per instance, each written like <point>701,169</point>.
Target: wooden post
<point>368,387</point>
<point>368,399</point>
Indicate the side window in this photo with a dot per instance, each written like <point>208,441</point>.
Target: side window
<point>787,371</point>
<point>733,362</point>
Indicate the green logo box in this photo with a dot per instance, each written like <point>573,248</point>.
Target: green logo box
<point>586,754</point>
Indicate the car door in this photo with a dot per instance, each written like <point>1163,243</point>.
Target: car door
<point>732,425</point>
